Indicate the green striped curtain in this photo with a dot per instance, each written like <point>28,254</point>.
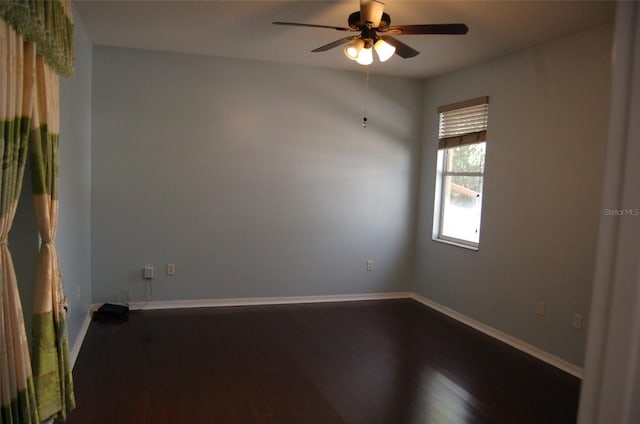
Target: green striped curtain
<point>51,369</point>
<point>17,72</point>
<point>42,32</point>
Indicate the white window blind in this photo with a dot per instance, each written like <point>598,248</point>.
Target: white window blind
<point>463,123</point>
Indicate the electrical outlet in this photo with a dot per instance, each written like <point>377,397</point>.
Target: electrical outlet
<point>540,309</point>
<point>577,321</point>
<point>171,269</point>
<point>369,265</point>
<point>147,273</point>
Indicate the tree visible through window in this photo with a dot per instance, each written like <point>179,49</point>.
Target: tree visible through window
<point>461,157</point>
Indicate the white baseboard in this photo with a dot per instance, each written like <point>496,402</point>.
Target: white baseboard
<point>503,337</point>
<point>75,350</point>
<point>260,301</point>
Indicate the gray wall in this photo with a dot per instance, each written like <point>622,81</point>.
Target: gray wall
<point>24,242</point>
<point>544,169</point>
<point>74,227</point>
<point>255,179</point>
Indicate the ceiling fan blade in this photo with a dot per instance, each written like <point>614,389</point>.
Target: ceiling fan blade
<point>314,26</point>
<point>334,44</point>
<point>371,11</point>
<point>402,49</point>
<point>450,29</point>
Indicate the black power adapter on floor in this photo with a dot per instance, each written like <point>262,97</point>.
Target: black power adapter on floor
<point>110,312</point>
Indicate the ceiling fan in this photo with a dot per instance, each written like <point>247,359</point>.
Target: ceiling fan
<point>374,26</point>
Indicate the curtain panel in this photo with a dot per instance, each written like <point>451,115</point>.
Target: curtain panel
<point>51,369</point>
<point>36,46</point>
<point>17,84</point>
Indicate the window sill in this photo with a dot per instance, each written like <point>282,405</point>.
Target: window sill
<point>453,243</point>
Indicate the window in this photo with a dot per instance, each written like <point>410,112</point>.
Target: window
<point>461,154</point>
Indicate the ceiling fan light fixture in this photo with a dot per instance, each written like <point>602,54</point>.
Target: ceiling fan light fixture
<point>365,57</point>
<point>384,50</point>
<point>353,49</point>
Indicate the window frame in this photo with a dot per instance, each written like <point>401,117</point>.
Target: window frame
<point>444,164</point>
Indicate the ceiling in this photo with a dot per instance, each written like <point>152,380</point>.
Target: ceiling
<point>242,29</point>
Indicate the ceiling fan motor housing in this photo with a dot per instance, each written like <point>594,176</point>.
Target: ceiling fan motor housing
<point>356,23</point>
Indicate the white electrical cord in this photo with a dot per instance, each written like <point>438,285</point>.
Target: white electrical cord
<point>149,290</point>
<point>125,297</point>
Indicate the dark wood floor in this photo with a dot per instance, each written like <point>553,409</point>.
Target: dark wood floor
<point>387,362</point>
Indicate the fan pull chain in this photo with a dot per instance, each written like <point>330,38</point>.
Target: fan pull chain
<point>366,92</point>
